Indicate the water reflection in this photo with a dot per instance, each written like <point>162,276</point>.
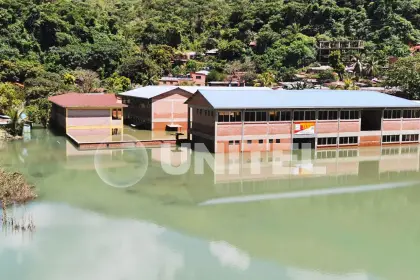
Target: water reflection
<point>337,236</point>
<point>75,244</point>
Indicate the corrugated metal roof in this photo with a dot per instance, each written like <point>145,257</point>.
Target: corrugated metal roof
<point>153,91</point>
<point>260,99</point>
<point>81,100</point>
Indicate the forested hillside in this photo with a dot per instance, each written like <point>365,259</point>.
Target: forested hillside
<point>43,42</point>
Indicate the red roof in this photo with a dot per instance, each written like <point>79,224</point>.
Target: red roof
<point>83,100</point>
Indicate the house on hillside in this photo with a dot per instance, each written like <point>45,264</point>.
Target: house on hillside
<point>161,107</point>
<point>84,114</point>
<point>255,120</point>
<point>197,79</point>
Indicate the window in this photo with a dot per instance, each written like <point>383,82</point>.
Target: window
<point>249,141</point>
<point>409,150</point>
<point>278,141</point>
<point>231,142</point>
<point>198,77</point>
<point>390,151</point>
<point>212,114</point>
<point>410,138</point>
<point>411,114</point>
<point>327,141</point>
<point>303,115</point>
<point>223,117</point>
<point>261,116</point>
<point>249,116</point>
<point>390,138</point>
<point>270,141</point>
<point>279,116</point>
<point>349,140</point>
<point>116,114</point>
<point>392,114</point>
<point>115,131</point>
<point>205,112</point>
<point>201,111</point>
<point>326,154</point>
<point>260,141</point>
<point>347,153</point>
<point>349,115</point>
<point>236,142</point>
<point>234,116</point>
<point>327,115</point>
<point>274,116</point>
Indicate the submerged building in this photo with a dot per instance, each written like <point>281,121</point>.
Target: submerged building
<point>259,120</point>
<point>87,114</point>
<point>162,107</point>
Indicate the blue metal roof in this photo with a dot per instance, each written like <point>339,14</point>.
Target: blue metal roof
<point>152,91</point>
<point>260,99</point>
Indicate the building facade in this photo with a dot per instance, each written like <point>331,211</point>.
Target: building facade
<point>196,79</point>
<point>161,107</point>
<point>286,120</point>
<point>87,114</point>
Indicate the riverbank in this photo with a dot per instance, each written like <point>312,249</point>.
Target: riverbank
<point>4,136</point>
<point>14,189</point>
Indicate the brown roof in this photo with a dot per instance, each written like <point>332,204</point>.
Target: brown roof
<point>83,100</point>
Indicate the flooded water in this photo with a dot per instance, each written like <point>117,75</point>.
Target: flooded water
<point>162,214</point>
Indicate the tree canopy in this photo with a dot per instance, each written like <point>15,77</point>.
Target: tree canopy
<point>50,46</point>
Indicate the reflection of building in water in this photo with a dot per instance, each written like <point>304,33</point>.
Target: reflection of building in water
<point>239,173</point>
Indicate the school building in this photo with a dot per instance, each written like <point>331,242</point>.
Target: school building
<point>84,114</point>
<point>255,120</point>
<point>162,107</point>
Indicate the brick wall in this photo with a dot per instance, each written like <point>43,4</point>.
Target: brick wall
<point>391,125</point>
<point>411,125</point>
<point>349,126</point>
<point>370,141</point>
<point>170,108</point>
<point>326,126</point>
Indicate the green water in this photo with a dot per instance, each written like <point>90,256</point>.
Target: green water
<point>354,216</point>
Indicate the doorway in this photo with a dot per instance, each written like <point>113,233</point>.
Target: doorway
<point>371,120</point>
<point>303,148</point>
<point>303,143</point>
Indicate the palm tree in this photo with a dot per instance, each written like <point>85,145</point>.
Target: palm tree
<point>349,85</point>
<point>371,67</point>
<point>16,124</point>
<point>266,79</point>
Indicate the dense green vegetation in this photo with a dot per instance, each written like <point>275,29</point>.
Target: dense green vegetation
<point>47,46</point>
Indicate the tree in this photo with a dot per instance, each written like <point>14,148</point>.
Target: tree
<point>266,79</point>
<point>141,69</point>
<point>405,74</point>
<point>86,80</point>
<point>337,64</point>
<point>327,76</point>
<point>350,85</point>
<point>15,125</point>
<point>117,84</point>
<point>39,111</point>
<point>10,96</point>
<point>371,67</point>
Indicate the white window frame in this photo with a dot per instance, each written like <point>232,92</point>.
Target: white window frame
<point>326,139</point>
<point>388,137</point>
<point>349,112</point>
<point>305,113</point>
<point>348,140</point>
<point>410,136</point>
<point>412,114</point>
<point>329,115</point>
<point>392,114</point>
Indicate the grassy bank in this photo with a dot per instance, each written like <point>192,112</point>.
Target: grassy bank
<point>14,189</point>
